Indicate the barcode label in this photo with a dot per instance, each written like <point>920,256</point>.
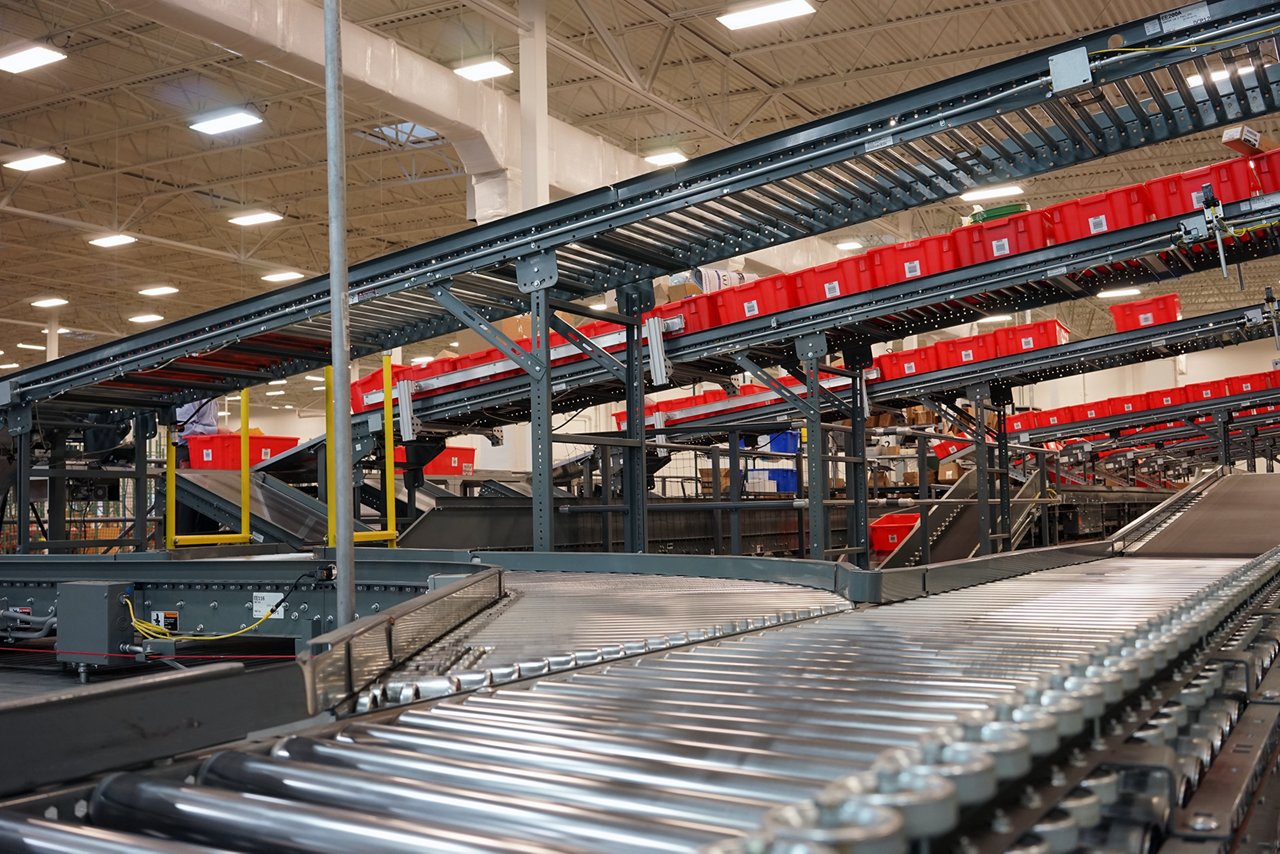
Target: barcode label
<point>207,455</point>
<point>1000,247</point>
<point>1028,343</point>
<point>1147,318</point>
<point>1097,224</point>
<point>911,269</point>
<point>751,308</point>
<point>966,355</point>
<point>882,142</point>
<point>909,368</point>
<point>832,289</point>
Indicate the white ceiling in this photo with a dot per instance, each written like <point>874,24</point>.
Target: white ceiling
<point>644,74</point>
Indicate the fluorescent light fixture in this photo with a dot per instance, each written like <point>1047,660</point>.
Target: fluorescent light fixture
<point>288,406</point>
<point>146,318</point>
<point>317,388</point>
<point>1215,76</point>
<point>1116,293</point>
<point>422,360</point>
<point>599,306</point>
<point>666,158</point>
<point>158,291</point>
<point>227,120</point>
<point>8,366</point>
<point>49,302</point>
<point>255,218</point>
<point>848,245</point>
<point>274,393</point>
<point>30,346</point>
<point>223,413</point>
<point>283,276</point>
<point>314,378</point>
<point>278,382</point>
<point>995,318</point>
<point>19,58</point>
<point>109,240</point>
<point>988,193</point>
<point>32,162</point>
<point>62,330</point>
<point>484,70</point>
<point>754,14</point>
<point>233,397</point>
<point>275,407</point>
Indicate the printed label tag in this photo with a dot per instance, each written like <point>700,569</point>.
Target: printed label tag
<point>1197,199</point>
<point>1147,319</point>
<point>909,368</point>
<point>1097,224</point>
<point>893,538</point>
<point>751,308</point>
<point>1000,247</point>
<point>1181,19</point>
<point>1028,343</point>
<point>966,355</point>
<point>266,453</point>
<point>911,269</point>
<point>264,602</point>
<point>832,289</point>
<point>165,620</point>
<point>883,142</point>
<point>207,455</point>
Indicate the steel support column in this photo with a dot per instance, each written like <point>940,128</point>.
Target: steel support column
<point>143,429</point>
<point>56,515</point>
<point>633,302</point>
<point>1005,481</point>
<point>22,490</point>
<point>922,469</point>
<point>982,463</point>
<point>858,359</point>
<point>1222,420</point>
<point>541,456</point>
<point>810,349</point>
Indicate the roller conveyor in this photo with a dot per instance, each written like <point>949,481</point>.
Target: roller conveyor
<point>874,729</point>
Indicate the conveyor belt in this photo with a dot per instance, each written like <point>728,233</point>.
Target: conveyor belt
<point>930,705</point>
<point>1235,518</point>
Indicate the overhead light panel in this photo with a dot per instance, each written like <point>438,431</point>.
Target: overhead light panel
<point>109,240</point>
<point>453,344</point>
<point>486,70</point>
<point>314,378</point>
<point>255,218</point>
<point>274,393</point>
<point>225,121</point>
<point>158,291</point>
<point>32,162</point>
<point>146,318</point>
<point>995,318</point>
<point>282,276</point>
<point>288,406</point>
<point>278,382</point>
<point>599,306</point>
<point>49,302</point>
<point>422,360</point>
<point>223,413</point>
<point>666,158</point>
<point>8,366</point>
<point>848,246</point>
<point>741,16</point>
<point>988,193</point>
<point>1117,293</point>
<point>16,59</point>
<point>62,330</point>
<point>30,346</point>
<point>233,397</point>
<point>317,388</point>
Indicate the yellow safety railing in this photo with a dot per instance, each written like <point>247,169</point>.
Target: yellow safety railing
<point>390,535</point>
<point>171,537</point>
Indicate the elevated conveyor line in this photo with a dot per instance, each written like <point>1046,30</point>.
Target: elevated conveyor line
<point>1003,122</point>
<point>1236,517</point>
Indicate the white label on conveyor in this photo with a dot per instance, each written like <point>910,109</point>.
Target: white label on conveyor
<point>831,289</point>
<point>966,355</point>
<point>751,308</point>
<point>1097,224</point>
<point>1147,318</point>
<point>883,142</point>
<point>1184,18</point>
<point>911,269</point>
<point>1000,247</point>
<point>264,602</point>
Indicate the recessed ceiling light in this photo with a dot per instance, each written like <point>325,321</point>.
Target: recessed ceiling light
<point>314,378</point>
<point>754,14</point>
<point>848,245</point>
<point>277,382</point>
<point>49,302</point>
<point>1116,293</point>
<point>30,346</point>
<point>599,306</point>
<point>486,70</point>
<point>274,393</point>
<point>158,291</point>
<point>995,318</point>
<point>33,162</point>
<point>666,158</point>
<point>988,193</point>
<point>227,120</point>
<point>146,318</point>
<point>109,240</point>
<point>283,276</point>
<point>20,58</point>
<point>255,218</point>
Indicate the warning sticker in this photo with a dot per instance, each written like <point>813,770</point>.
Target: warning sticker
<point>165,620</point>
<point>264,602</point>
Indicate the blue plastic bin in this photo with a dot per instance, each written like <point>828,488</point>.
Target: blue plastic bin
<point>785,443</point>
<point>785,478</point>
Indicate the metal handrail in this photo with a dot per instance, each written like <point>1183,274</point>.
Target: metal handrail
<point>339,664</point>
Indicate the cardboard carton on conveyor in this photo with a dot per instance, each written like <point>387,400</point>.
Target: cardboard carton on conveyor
<point>1247,140</point>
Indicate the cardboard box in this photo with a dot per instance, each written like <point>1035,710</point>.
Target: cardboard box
<point>912,478</point>
<point>949,472</point>
<point>879,479</point>
<point>1244,139</point>
<point>708,485</point>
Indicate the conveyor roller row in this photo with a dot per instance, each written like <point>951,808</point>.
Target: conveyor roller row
<point>868,731</point>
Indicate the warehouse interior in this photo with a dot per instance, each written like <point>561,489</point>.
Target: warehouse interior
<point>649,425</point>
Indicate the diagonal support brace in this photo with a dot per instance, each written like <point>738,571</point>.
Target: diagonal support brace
<point>803,406</point>
<point>486,330</point>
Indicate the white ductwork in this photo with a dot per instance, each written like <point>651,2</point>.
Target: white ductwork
<point>481,123</point>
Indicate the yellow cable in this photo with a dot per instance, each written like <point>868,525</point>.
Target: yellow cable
<point>1231,40</point>
<point>150,630</point>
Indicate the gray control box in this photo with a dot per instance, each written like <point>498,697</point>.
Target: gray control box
<point>93,622</point>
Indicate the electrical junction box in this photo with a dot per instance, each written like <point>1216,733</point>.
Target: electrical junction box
<point>93,622</point>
